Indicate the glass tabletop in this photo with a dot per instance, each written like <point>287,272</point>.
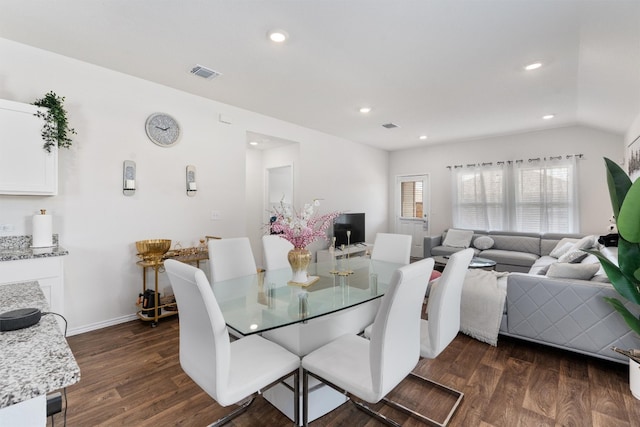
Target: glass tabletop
<point>266,300</point>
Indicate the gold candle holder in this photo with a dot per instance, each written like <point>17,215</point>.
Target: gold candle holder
<point>332,251</point>
<point>348,271</point>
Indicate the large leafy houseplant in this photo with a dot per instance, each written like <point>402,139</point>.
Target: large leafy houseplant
<point>625,277</point>
<point>56,130</point>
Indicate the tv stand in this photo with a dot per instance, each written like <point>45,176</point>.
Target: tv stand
<point>355,250</point>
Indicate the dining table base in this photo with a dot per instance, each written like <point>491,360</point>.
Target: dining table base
<point>302,339</point>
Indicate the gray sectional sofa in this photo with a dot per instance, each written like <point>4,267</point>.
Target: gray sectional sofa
<point>566,313</point>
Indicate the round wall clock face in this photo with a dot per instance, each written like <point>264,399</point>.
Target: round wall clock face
<point>162,129</point>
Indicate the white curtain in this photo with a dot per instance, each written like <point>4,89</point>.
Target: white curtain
<point>479,197</point>
<point>530,196</point>
<point>545,196</point>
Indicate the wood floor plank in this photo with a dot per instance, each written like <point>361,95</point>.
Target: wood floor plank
<point>506,402</point>
<point>607,395</point>
<point>541,393</point>
<point>131,376</point>
<point>534,419</point>
<point>478,392</point>
<point>573,402</point>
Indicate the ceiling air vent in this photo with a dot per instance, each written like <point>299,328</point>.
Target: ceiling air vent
<point>204,72</point>
<point>390,125</point>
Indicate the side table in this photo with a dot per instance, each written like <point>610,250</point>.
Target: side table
<point>171,308</point>
<point>440,261</point>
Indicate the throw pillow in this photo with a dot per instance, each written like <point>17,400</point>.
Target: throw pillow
<point>586,242</point>
<point>483,242</point>
<point>574,256</point>
<point>458,238</point>
<point>564,270</point>
<point>435,274</point>
<point>559,250</point>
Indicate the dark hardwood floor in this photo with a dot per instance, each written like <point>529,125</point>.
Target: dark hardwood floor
<point>131,376</point>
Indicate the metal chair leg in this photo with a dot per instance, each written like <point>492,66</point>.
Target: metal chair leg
<point>296,398</point>
<point>422,417</point>
<point>377,415</point>
<point>305,398</point>
<point>385,400</point>
<point>242,408</point>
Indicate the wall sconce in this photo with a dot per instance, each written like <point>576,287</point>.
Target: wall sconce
<point>191,181</point>
<point>128,178</point>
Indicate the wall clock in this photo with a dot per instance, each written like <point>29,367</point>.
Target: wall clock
<point>162,129</point>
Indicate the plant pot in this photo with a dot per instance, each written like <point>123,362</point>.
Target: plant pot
<point>634,378</point>
<point>299,259</point>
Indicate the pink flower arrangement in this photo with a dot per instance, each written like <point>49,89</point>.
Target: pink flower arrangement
<point>301,228</point>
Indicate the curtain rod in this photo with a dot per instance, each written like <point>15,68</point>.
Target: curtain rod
<point>508,162</point>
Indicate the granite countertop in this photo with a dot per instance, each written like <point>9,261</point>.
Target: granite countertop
<point>13,248</point>
<point>35,360</point>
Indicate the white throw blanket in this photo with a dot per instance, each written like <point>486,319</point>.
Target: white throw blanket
<point>483,296</point>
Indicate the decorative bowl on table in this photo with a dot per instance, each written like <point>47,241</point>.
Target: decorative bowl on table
<point>152,249</point>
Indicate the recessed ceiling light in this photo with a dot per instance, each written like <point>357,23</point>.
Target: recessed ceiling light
<point>533,66</point>
<point>423,137</point>
<point>253,143</point>
<point>365,110</point>
<point>548,116</point>
<point>277,36</point>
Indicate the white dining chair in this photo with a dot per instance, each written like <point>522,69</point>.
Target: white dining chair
<point>392,248</point>
<point>369,369</point>
<point>230,372</point>
<point>230,258</point>
<point>443,324</point>
<point>275,250</point>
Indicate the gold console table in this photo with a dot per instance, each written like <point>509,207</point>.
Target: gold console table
<point>189,256</point>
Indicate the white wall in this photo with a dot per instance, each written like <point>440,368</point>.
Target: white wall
<point>98,225</point>
<point>595,209</point>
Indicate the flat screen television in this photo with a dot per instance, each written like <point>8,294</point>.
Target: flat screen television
<point>353,222</point>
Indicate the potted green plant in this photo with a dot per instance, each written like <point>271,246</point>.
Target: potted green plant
<point>56,130</point>
<point>625,277</point>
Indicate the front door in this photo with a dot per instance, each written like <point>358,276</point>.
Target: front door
<point>412,210</point>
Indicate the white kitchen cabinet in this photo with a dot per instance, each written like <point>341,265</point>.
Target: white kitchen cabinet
<point>48,272</point>
<point>26,168</point>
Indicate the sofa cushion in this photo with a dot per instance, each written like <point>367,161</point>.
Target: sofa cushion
<point>517,243</point>
<point>507,257</point>
<point>483,242</point>
<point>458,238</point>
<point>565,270</point>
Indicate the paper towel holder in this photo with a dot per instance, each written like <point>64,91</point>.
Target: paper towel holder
<point>191,181</point>
<point>128,177</point>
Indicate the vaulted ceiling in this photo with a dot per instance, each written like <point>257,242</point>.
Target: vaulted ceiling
<point>447,69</point>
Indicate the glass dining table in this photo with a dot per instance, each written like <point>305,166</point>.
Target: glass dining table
<point>343,300</point>
<point>267,300</point>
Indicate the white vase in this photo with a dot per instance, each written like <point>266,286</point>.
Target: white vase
<point>634,378</point>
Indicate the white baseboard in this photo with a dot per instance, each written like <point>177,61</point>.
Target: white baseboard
<point>100,325</point>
